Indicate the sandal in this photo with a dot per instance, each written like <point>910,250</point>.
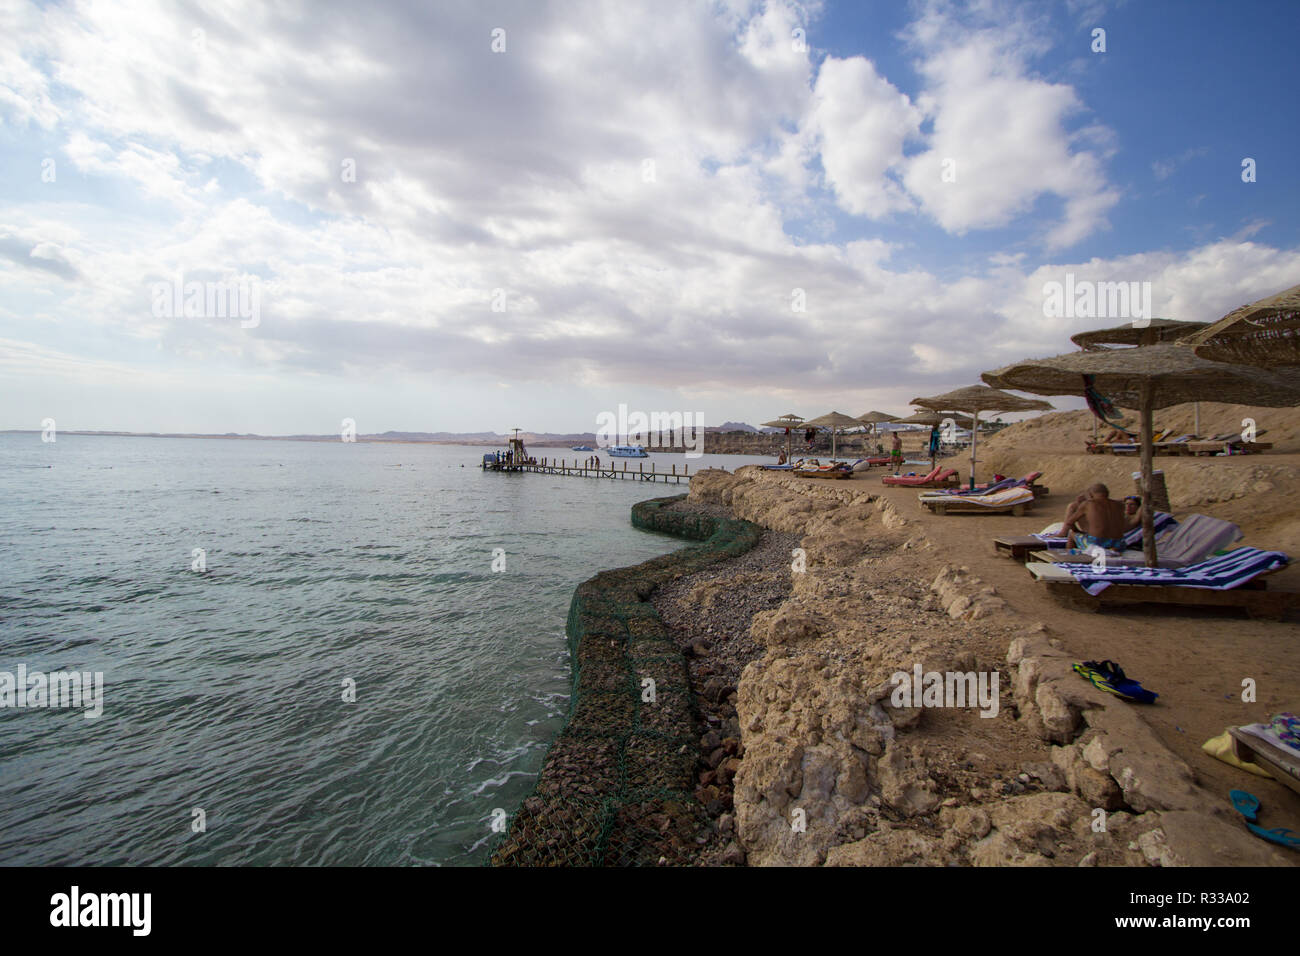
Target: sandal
<point>1110,677</point>
<point>1247,804</point>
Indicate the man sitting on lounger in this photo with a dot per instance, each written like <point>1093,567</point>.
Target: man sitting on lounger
<point>1094,519</point>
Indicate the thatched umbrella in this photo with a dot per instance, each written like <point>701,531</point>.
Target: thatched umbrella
<point>976,399</point>
<point>872,419</point>
<point>833,421</point>
<point>788,421</point>
<point>1264,333</point>
<point>936,418</point>
<point>1154,376</point>
<point>1153,333</point>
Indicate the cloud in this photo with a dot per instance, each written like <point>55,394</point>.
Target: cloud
<point>862,121</point>
<point>36,254</point>
<point>1164,168</point>
<point>1000,133</point>
<point>628,194</point>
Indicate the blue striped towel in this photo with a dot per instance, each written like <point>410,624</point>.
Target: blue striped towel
<point>1223,572</point>
<point>1162,521</point>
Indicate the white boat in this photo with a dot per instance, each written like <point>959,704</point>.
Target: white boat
<point>627,451</point>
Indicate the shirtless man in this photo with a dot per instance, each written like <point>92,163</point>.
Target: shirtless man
<point>1094,519</point>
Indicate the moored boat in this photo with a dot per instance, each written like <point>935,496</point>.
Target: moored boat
<point>627,451</point>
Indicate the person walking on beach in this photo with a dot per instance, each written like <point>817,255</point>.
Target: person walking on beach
<point>934,445</point>
<point>896,453</point>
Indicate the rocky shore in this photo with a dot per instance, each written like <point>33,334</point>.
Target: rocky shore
<point>710,614</point>
<point>830,769</point>
<point>616,786</point>
<point>774,736</point>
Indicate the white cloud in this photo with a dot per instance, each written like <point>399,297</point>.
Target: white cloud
<point>525,172</point>
<point>1005,133</point>
<point>862,122</point>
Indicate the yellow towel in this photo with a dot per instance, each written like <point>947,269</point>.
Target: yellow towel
<point>1220,747</point>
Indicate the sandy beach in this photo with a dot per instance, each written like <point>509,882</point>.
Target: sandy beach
<point>826,771</point>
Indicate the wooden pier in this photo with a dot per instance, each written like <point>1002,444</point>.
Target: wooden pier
<point>613,469</point>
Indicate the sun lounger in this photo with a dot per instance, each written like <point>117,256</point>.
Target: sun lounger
<point>1015,500</point>
<point>935,479</point>
<point>835,470</point>
<point>1190,541</point>
<point>1178,446</point>
<point>1233,579</point>
<point>1020,546</point>
<point>1030,481</point>
<point>1228,447</point>
<point>1252,744</point>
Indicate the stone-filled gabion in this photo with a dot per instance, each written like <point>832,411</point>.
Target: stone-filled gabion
<point>616,785</point>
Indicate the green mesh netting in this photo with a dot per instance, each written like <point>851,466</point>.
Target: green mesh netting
<point>616,786</point>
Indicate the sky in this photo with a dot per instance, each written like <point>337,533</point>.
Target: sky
<point>251,217</point>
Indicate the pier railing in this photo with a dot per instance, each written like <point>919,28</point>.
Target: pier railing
<point>596,468</point>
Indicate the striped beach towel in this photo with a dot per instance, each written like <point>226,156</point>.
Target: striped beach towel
<point>1222,572</point>
<point>1162,520</point>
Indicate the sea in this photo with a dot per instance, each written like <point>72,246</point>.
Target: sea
<point>312,653</point>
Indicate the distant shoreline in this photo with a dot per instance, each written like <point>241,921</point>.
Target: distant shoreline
<point>360,439</point>
<point>500,442</point>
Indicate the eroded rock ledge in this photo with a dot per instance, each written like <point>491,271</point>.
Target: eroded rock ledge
<point>834,774</point>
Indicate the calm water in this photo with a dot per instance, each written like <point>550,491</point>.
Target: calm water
<point>223,690</point>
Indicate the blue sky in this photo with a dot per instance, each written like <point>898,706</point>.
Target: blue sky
<point>677,206</point>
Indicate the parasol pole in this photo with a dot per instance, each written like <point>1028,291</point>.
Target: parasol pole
<point>1148,517</point>
<point>974,442</point>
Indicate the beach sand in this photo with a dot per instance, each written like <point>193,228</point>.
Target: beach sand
<point>830,772</point>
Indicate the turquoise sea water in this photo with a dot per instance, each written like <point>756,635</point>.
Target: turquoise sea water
<point>223,689</point>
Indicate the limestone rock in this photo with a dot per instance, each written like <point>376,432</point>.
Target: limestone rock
<point>888,846</point>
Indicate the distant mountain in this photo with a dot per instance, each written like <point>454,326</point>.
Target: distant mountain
<point>733,427</point>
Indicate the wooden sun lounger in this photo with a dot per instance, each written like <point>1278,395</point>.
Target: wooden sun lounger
<point>1038,491</point>
<point>1017,546</point>
<point>1284,767</point>
<point>1237,447</point>
<point>1253,596</point>
<point>1132,559</point>
<point>954,504</point>
<point>838,473</point>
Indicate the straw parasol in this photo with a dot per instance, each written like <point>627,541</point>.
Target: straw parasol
<point>787,421</point>
<point>1146,378</point>
<point>834,421</point>
<point>1264,333</point>
<point>872,419</point>
<point>1153,333</point>
<point>935,418</point>
<point>976,399</point>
